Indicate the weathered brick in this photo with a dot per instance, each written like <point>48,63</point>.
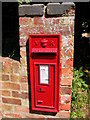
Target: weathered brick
<point>31,10</point>
<point>5,93</point>
<point>20,21</point>
<point>71,41</point>
<point>72,29</point>
<point>6,107</point>
<point>47,22</point>
<point>56,20</point>
<point>38,117</point>
<point>67,72</point>
<point>1,66</point>
<point>52,118</point>
<point>25,102</point>
<point>9,85</point>
<point>38,21</point>
<point>21,109</point>
<point>66,31</point>
<point>25,21</point>
<point>69,52</point>
<point>11,101</point>
<point>0,92</point>
<point>63,114</point>
<point>0,105</point>
<point>0,77</point>
<point>65,106</point>
<point>66,52</point>
<point>64,42</point>
<point>23,70</point>
<point>66,81</point>
<point>16,94</point>
<point>24,31</point>
<point>24,87</point>
<point>0,85</point>
<point>71,11</point>
<point>69,62</point>
<point>65,98</point>
<point>15,67</point>
<point>66,90</point>
<point>14,78</point>
<point>5,77</point>
<point>23,40</point>
<point>23,51</point>
<point>23,60</point>
<point>64,21</point>
<point>1,115</point>
<point>23,95</point>
<point>7,66</point>
<point>23,79</point>
<point>13,115</point>
<point>36,30</point>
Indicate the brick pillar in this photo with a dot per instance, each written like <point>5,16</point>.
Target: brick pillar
<point>54,18</point>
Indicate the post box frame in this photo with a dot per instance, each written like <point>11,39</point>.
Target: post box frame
<point>33,77</point>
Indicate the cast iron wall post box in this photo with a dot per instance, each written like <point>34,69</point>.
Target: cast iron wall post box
<point>44,58</point>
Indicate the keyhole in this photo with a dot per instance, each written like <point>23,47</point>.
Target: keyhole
<point>40,89</point>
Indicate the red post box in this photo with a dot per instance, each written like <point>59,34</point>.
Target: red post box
<point>44,58</point>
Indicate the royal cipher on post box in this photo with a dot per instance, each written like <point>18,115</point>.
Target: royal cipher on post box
<point>44,59</point>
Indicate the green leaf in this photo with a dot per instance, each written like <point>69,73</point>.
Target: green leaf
<point>79,94</point>
<point>27,1</point>
<point>79,84</point>
<point>20,1</point>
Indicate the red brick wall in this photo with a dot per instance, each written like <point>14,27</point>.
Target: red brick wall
<point>14,87</point>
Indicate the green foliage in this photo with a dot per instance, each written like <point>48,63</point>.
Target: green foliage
<point>21,1</point>
<point>79,97</point>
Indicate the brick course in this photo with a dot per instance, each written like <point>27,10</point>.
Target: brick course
<point>5,93</point>
<point>13,115</point>
<point>66,82</point>
<point>7,67</point>
<point>23,95</point>
<point>5,77</point>
<point>65,98</point>
<point>9,85</point>
<point>6,107</point>
<point>21,109</point>
<point>11,101</point>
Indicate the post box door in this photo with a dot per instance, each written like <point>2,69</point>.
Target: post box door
<point>44,85</point>
<point>44,58</point>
